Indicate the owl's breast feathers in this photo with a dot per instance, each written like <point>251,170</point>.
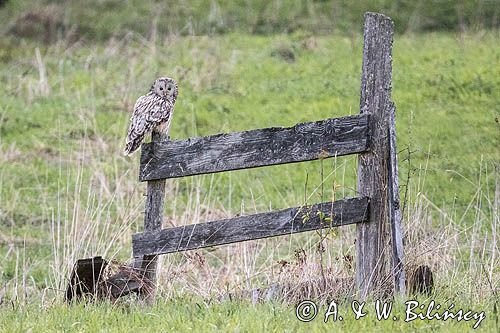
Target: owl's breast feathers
<point>150,111</point>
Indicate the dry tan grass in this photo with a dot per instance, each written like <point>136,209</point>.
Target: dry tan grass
<point>96,214</point>
<point>464,260</point>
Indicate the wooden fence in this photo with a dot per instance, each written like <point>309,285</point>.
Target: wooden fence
<point>371,134</point>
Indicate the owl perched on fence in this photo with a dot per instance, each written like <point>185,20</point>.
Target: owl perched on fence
<point>152,111</point>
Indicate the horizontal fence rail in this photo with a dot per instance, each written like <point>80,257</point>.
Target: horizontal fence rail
<point>255,148</point>
<point>244,228</point>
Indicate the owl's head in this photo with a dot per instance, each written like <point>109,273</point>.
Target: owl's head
<point>166,88</point>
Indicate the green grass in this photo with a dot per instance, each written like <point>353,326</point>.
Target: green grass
<point>65,188</point>
<point>192,315</point>
<point>445,91</point>
<point>99,20</point>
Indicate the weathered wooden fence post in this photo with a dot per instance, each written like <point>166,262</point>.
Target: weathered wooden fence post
<point>371,134</point>
<point>394,210</point>
<point>373,181</point>
<point>153,219</point>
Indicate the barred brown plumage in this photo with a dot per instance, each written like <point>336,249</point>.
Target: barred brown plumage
<point>152,111</point>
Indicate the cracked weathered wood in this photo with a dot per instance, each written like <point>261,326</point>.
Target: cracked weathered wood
<point>394,210</point>
<point>244,228</point>
<point>248,149</point>
<point>371,242</point>
<point>85,278</point>
<point>153,218</point>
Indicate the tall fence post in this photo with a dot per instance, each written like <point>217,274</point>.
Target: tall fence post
<point>153,219</point>
<point>395,211</point>
<point>372,237</point>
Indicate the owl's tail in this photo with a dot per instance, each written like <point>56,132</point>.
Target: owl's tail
<point>130,147</point>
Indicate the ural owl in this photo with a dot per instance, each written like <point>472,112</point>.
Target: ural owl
<point>152,111</point>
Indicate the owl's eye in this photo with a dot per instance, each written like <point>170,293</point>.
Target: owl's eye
<point>169,88</point>
<point>161,88</point>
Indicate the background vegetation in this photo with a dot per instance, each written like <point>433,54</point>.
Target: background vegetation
<point>100,20</point>
<point>71,72</point>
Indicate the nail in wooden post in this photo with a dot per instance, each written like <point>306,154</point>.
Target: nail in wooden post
<point>376,101</point>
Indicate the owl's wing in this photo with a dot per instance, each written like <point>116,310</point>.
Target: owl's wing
<point>149,112</point>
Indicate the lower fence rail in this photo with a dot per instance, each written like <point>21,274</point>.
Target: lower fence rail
<point>244,228</point>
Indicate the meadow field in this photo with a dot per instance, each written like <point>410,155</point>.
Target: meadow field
<point>67,192</point>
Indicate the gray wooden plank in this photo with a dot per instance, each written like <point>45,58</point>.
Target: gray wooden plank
<point>394,210</point>
<point>255,148</point>
<point>372,250</point>
<point>153,219</point>
<point>243,228</point>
